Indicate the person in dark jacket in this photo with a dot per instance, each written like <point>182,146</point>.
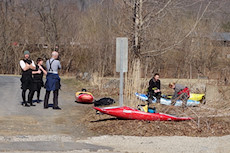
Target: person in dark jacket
<point>52,80</point>
<point>154,89</point>
<point>38,79</point>
<point>27,66</point>
<point>181,92</point>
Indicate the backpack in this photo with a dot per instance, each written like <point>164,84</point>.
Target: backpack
<point>104,102</point>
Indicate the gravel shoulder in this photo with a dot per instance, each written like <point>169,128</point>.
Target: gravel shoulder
<point>164,144</point>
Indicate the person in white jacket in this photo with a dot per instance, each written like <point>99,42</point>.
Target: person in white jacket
<point>27,66</point>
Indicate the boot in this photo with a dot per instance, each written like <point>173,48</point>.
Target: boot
<point>150,100</point>
<point>31,104</point>
<point>158,100</point>
<point>26,104</point>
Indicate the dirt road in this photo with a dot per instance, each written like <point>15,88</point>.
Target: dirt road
<point>35,129</point>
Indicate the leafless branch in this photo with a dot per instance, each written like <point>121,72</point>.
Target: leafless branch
<point>164,50</point>
<point>150,15</point>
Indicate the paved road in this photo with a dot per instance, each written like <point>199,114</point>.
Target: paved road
<point>36,129</point>
<point>10,93</point>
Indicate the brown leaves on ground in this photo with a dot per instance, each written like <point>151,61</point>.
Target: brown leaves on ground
<point>108,125</point>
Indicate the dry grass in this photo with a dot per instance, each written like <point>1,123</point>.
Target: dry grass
<point>132,83</point>
<point>95,86</point>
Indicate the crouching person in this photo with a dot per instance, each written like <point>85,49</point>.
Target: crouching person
<point>154,89</point>
<point>181,93</point>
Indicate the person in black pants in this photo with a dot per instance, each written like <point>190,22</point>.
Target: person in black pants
<point>38,79</point>
<point>27,66</point>
<point>52,80</point>
<point>154,89</point>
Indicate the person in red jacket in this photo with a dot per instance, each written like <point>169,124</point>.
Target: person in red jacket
<point>181,92</point>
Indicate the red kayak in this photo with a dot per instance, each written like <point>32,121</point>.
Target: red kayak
<point>134,114</point>
<point>84,97</point>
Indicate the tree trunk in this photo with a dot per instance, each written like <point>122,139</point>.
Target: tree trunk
<point>137,24</point>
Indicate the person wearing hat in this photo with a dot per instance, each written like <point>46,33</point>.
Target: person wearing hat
<point>27,66</point>
<point>52,80</point>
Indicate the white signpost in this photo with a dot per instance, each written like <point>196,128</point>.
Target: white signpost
<point>121,62</point>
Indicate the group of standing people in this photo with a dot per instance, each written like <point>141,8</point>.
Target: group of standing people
<point>32,79</point>
<point>181,92</point>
